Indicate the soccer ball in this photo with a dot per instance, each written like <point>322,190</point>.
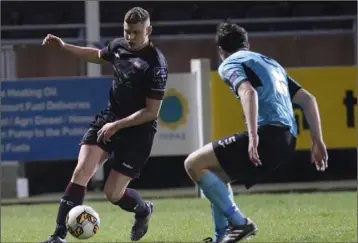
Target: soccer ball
<point>82,222</point>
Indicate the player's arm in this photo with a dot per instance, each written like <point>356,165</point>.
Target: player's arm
<point>147,114</point>
<point>235,77</point>
<point>88,54</point>
<point>158,79</point>
<point>308,103</point>
<point>93,55</point>
<point>249,101</point>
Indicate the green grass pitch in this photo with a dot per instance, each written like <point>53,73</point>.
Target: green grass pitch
<point>316,217</point>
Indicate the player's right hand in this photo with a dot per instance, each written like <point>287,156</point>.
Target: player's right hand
<point>253,154</point>
<point>53,40</point>
<point>319,155</point>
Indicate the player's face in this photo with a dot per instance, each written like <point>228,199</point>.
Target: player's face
<point>136,34</point>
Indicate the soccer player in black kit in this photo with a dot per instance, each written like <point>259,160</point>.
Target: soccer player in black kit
<point>126,127</point>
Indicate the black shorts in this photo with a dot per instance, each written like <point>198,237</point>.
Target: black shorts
<point>276,147</point>
<point>131,147</point>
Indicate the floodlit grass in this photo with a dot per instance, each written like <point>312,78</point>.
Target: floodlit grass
<point>316,217</point>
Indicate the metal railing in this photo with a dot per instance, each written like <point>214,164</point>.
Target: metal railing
<point>181,23</point>
<point>80,28</point>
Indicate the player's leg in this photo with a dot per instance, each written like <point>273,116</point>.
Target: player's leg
<point>275,148</point>
<point>220,221</point>
<point>130,156</point>
<point>129,200</point>
<point>90,156</point>
<point>201,166</point>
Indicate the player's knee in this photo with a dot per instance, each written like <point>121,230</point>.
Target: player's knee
<point>112,195</point>
<point>192,164</point>
<point>188,164</point>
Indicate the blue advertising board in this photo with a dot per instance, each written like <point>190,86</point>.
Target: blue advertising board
<point>45,119</point>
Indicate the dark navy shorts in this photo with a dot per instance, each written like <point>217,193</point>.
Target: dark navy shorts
<point>276,147</point>
<point>131,147</point>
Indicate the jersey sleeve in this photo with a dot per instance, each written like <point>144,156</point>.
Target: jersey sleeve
<point>107,53</point>
<point>233,75</point>
<point>293,86</point>
<point>158,76</point>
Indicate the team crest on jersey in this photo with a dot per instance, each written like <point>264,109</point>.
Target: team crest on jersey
<point>160,72</point>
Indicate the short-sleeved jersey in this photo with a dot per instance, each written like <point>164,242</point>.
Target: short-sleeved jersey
<point>275,89</point>
<point>137,75</point>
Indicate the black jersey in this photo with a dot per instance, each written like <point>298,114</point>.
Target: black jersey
<point>137,75</point>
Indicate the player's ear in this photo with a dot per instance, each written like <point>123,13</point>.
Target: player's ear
<point>149,30</point>
<point>221,53</point>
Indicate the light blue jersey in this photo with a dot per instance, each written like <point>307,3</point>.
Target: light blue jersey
<point>274,88</point>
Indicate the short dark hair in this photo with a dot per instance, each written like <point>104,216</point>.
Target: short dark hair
<point>136,15</point>
<point>231,37</point>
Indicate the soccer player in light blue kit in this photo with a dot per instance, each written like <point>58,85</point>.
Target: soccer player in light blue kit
<point>267,95</point>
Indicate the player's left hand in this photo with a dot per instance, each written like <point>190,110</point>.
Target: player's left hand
<point>106,132</point>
